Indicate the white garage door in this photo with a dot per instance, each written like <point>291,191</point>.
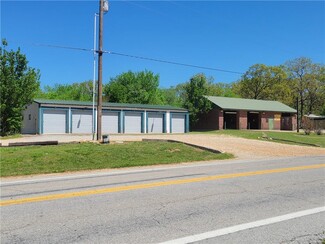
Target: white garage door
<point>155,123</point>
<point>54,121</point>
<point>82,122</point>
<point>110,122</point>
<point>132,122</point>
<point>178,123</point>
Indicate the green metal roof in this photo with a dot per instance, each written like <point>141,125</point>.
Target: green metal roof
<point>227,103</point>
<point>107,105</point>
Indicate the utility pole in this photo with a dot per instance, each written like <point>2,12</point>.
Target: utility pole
<point>297,114</point>
<point>94,78</point>
<point>100,72</point>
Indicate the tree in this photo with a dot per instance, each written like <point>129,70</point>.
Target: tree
<point>134,87</point>
<point>19,84</point>
<point>77,91</point>
<point>265,83</point>
<point>195,102</point>
<point>221,89</point>
<point>172,96</point>
<point>309,84</point>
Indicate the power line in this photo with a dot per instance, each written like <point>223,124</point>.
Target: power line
<point>175,63</point>
<point>63,47</point>
<point>144,7</point>
<point>143,58</point>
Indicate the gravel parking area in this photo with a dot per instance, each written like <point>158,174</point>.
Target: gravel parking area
<point>240,147</point>
<point>249,149</point>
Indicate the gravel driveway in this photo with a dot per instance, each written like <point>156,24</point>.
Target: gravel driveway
<point>248,149</point>
<point>240,147</point>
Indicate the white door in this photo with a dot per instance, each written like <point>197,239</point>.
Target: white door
<point>155,123</point>
<point>132,122</point>
<point>110,122</point>
<point>82,122</point>
<point>178,123</point>
<point>54,121</point>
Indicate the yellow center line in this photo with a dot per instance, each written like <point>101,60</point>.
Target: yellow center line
<point>154,184</point>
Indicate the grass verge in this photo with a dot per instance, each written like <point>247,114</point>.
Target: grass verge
<point>10,137</point>
<point>290,137</point>
<point>88,156</point>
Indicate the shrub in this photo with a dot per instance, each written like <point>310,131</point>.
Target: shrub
<point>308,126</point>
<point>318,132</point>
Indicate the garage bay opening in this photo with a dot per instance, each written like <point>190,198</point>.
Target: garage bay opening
<point>253,121</point>
<point>230,120</point>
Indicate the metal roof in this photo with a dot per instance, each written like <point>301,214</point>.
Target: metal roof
<point>107,105</point>
<point>314,116</point>
<point>227,103</point>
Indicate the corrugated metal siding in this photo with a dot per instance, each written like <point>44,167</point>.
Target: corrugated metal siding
<point>30,119</point>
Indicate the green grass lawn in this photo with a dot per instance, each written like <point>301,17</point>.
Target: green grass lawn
<point>294,138</point>
<point>86,156</point>
<point>10,137</point>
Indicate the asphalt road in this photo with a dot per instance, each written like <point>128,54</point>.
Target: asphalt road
<point>261,201</point>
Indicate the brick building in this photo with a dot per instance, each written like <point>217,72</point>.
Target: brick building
<point>238,113</point>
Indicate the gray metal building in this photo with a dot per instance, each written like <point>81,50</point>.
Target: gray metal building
<point>75,117</point>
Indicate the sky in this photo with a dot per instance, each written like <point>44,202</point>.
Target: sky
<point>226,35</point>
